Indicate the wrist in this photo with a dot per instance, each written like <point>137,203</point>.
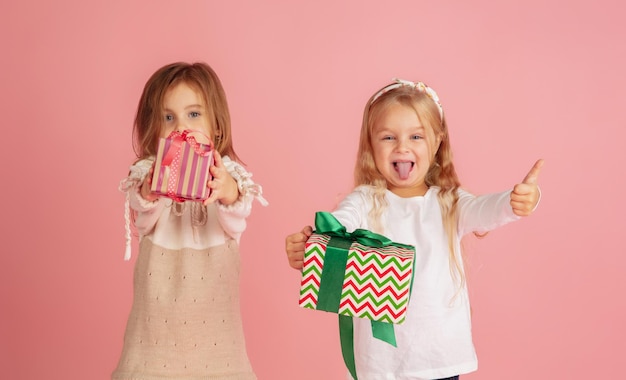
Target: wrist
<point>232,198</point>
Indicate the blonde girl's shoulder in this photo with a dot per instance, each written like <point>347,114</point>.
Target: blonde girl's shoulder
<point>363,192</point>
<point>366,190</point>
<point>361,196</point>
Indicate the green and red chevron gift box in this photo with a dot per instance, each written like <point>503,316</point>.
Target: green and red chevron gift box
<point>359,274</point>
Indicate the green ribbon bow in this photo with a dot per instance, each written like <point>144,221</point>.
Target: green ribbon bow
<point>331,283</point>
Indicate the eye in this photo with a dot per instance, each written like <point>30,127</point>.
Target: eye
<point>194,114</point>
<point>416,137</point>
<point>169,117</point>
<point>387,138</point>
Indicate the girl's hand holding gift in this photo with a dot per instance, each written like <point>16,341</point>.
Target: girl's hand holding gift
<point>223,186</point>
<point>294,246</point>
<point>146,192</point>
<point>525,196</point>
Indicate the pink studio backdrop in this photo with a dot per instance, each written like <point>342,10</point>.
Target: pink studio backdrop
<point>528,80</point>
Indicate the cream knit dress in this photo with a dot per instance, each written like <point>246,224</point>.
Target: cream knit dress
<point>185,321</point>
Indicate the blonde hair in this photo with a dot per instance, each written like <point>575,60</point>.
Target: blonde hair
<point>441,172</point>
<point>202,78</point>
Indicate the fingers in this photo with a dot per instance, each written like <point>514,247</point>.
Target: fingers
<point>521,208</point>
<point>295,250</point>
<point>524,199</point>
<point>217,159</point>
<point>295,245</point>
<point>150,174</point>
<point>217,168</point>
<point>212,198</point>
<point>223,186</point>
<point>525,195</point>
<point>146,187</point>
<point>308,231</point>
<point>523,189</point>
<point>533,175</point>
<point>299,237</point>
<point>296,262</point>
<point>148,179</point>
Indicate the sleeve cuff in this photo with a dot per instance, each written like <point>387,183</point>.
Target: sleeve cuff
<point>247,187</point>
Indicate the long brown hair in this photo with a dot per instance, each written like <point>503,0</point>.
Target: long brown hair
<point>441,172</point>
<point>201,77</point>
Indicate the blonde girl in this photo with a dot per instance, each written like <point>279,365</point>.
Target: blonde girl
<point>407,189</point>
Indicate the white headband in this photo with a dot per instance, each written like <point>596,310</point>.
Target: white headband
<point>420,86</point>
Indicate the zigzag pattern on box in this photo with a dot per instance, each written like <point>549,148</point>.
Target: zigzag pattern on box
<point>312,272</point>
<point>376,286</point>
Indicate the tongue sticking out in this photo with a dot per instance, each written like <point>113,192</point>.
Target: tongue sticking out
<point>403,169</point>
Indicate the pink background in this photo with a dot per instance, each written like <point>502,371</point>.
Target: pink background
<point>528,80</point>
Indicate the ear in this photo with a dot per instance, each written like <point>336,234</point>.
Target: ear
<point>217,135</point>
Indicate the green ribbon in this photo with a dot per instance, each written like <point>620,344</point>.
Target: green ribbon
<point>331,281</point>
<point>332,278</point>
<point>326,223</point>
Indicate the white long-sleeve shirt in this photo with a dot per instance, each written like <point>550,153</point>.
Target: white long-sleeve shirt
<point>435,341</point>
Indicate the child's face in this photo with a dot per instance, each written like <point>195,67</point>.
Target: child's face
<point>403,150</point>
<point>183,108</point>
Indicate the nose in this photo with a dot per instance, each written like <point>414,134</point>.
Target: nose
<point>180,125</point>
<point>402,145</point>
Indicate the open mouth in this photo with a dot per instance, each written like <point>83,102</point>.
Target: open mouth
<point>403,168</point>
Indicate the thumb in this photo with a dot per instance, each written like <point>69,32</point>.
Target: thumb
<point>217,159</point>
<point>533,174</point>
<point>308,231</point>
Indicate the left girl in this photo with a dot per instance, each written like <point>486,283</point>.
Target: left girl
<point>185,320</point>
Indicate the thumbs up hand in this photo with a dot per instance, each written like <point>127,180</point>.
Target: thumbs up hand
<point>525,195</point>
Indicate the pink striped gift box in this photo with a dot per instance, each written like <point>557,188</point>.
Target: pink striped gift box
<point>181,169</point>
